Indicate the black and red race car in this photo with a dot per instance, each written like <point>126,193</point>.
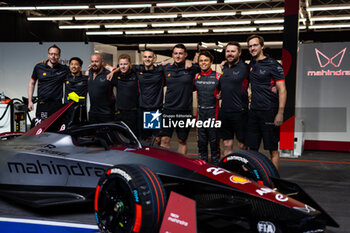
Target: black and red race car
<point>127,179</point>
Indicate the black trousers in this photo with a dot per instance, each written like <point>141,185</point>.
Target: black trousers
<point>208,135</point>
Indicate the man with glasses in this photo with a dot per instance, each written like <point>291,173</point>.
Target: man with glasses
<point>268,100</point>
<point>50,76</point>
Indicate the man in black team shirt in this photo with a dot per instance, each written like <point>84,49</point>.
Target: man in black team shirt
<point>268,99</point>
<point>101,94</point>
<point>206,83</point>
<point>127,93</point>
<point>75,81</point>
<point>178,98</point>
<point>233,85</point>
<point>50,76</point>
<point>151,82</point>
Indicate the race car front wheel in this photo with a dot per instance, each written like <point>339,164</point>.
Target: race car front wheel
<point>129,198</point>
<point>252,165</point>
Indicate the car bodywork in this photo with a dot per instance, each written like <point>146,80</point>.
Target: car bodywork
<point>42,169</point>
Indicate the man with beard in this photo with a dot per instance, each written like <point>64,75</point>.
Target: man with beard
<point>50,76</point>
<point>233,85</point>
<point>206,83</point>
<point>269,96</point>
<point>101,95</point>
<point>127,93</point>
<point>178,98</point>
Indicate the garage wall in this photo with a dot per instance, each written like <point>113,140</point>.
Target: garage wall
<point>323,91</point>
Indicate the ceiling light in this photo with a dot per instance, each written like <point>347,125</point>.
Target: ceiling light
<point>272,28</point>
<point>328,7</point>
<point>53,18</point>
<point>263,21</point>
<point>143,32</point>
<point>218,50</point>
<point>209,14</point>
<point>245,29</point>
<point>244,1</point>
<point>17,8</point>
<point>220,44</point>
<point>151,16</point>
<point>78,26</point>
<point>98,17</point>
<point>329,18</point>
<point>302,27</point>
<point>322,26</point>
<point>263,11</point>
<point>174,24</point>
<point>123,6</point>
<point>171,4</point>
<point>62,7</point>
<point>105,33</point>
<point>188,31</point>
<point>125,25</point>
<point>236,22</point>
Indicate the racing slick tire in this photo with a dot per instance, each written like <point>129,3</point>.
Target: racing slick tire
<point>129,198</point>
<point>252,165</point>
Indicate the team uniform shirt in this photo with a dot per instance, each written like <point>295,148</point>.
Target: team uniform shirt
<point>50,81</point>
<point>151,83</point>
<point>234,87</point>
<point>127,90</point>
<point>263,76</point>
<point>206,85</point>
<point>179,82</point>
<point>101,93</point>
<point>77,84</point>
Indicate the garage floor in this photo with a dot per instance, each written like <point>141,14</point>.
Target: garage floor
<point>324,175</point>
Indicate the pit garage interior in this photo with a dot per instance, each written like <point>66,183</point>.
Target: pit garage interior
<point>318,97</point>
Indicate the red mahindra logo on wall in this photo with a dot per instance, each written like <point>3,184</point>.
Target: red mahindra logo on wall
<point>329,64</point>
<point>336,60</point>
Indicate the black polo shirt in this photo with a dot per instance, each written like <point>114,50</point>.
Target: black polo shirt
<point>179,82</point>
<point>78,84</point>
<point>151,84</point>
<point>127,90</point>
<point>234,85</point>
<point>50,81</point>
<point>101,95</point>
<point>263,76</point>
<point>206,85</point>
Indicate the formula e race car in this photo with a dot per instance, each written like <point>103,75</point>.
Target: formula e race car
<point>59,163</point>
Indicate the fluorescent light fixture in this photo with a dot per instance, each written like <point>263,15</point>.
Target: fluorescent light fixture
<point>188,31</point>
<point>266,21</point>
<point>79,26</point>
<point>218,23</point>
<point>220,44</point>
<point>105,33</point>
<point>203,44</point>
<point>302,27</point>
<point>17,8</point>
<point>62,7</point>
<point>263,11</point>
<point>244,1</point>
<point>218,50</point>
<point>98,17</point>
<point>329,7</point>
<point>329,18</point>
<point>151,16</point>
<point>123,6</point>
<point>245,29</point>
<point>171,4</point>
<point>125,25</point>
<point>184,24</point>
<point>323,26</point>
<point>53,18</point>
<point>272,28</point>
<point>143,32</point>
<point>209,14</point>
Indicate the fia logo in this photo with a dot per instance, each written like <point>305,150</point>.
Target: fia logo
<point>151,120</point>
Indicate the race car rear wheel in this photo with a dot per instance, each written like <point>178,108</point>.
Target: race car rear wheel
<point>252,165</point>
<point>129,198</point>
